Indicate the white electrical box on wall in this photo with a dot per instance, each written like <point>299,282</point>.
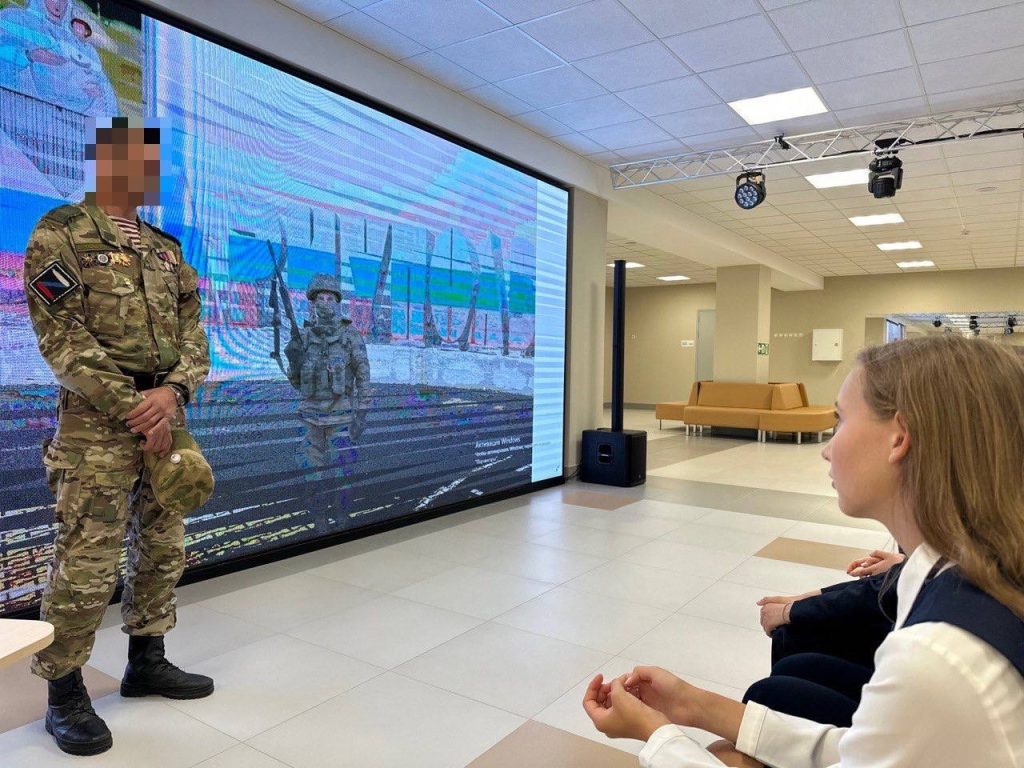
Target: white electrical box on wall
<point>827,344</point>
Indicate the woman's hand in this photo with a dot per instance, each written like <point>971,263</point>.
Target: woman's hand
<point>619,714</point>
<point>679,701</point>
<point>775,609</point>
<point>875,563</point>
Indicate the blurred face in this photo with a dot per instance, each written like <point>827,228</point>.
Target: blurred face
<point>127,168</point>
<point>325,304</point>
<point>865,455</point>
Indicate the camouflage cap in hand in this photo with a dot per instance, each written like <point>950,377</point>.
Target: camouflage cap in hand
<point>182,480</point>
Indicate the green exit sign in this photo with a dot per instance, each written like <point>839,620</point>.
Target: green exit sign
<point>762,348</point>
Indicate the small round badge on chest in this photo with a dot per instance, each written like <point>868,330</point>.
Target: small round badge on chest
<point>103,259</point>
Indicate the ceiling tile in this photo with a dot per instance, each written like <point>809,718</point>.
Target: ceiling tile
<point>683,93</point>
<point>693,122</point>
<point>594,113</point>
<point>543,123</point>
<point>632,67</point>
<point>720,139</point>
<point>883,113</point>
<point>727,44</point>
<point>436,23</point>
<point>920,11</point>
<point>671,17</point>
<point>551,87</point>
<point>866,56</point>
<point>580,143</point>
<point>605,158</point>
<point>822,22</point>
<point>780,73</point>
<point>871,89</point>
<point>798,126</point>
<point>518,11</point>
<point>971,72</point>
<point>498,100</point>
<point>319,10</point>
<point>380,37</point>
<point>967,35</point>
<point>632,134</point>
<point>438,68</point>
<point>501,55</point>
<point>588,30</point>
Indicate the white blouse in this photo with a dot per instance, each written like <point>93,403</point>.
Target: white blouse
<point>939,697</point>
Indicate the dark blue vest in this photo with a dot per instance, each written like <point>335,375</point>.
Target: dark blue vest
<point>951,599</point>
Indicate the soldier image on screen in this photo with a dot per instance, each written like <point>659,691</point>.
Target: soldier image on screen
<point>328,365</point>
<point>116,311</point>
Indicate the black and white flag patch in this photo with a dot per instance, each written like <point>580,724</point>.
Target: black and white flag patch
<point>53,283</point>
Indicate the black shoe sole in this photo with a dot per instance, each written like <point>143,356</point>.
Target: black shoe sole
<point>81,750</point>
<point>130,691</point>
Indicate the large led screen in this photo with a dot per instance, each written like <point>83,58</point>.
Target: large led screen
<point>451,264</point>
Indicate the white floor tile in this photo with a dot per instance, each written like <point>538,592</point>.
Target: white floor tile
<point>142,729</point>
<point>844,537</point>
<point>728,603</point>
<point>540,563</point>
<point>517,671</point>
<point>641,584</point>
<point>779,577</point>
<point>591,541</point>
<point>590,620</point>
<point>724,539</point>
<point>474,591</point>
<point>289,601</point>
<point>390,722</point>
<point>264,684</point>
<point>518,524</point>
<point>458,546</point>
<point>746,523</point>
<point>387,631</point>
<point>684,559</point>
<point>681,513</point>
<point>687,645</point>
<point>241,756</point>
<point>387,569</point>
<point>199,634</point>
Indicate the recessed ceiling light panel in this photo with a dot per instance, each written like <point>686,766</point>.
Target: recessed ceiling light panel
<point>876,219</point>
<point>839,178</point>
<point>673,278</point>
<point>904,246</point>
<point>629,265</point>
<point>915,264</point>
<point>773,107</point>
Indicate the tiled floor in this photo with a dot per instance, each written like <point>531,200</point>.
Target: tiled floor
<point>468,640</point>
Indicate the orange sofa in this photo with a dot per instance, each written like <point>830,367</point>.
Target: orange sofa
<point>766,408</point>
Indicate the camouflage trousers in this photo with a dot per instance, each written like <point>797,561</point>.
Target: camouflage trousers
<point>94,467</point>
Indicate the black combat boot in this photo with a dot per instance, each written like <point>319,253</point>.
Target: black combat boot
<point>75,726</point>
<point>148,672</point>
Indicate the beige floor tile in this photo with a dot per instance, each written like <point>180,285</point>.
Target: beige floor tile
<point>657,587</point>
<point>241,756</point>
<point>541,746</point>
<point>592,498</point>
<point>474,591</point>
<point>811,553</point>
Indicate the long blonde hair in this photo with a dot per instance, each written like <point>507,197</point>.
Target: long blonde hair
<point>963,403</point>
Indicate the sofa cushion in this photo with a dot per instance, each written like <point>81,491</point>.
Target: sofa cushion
<point>672,411</point>
<point>739,418</point>
<point>727,394</point>
<point>814,418</point>
<point>786,397</point>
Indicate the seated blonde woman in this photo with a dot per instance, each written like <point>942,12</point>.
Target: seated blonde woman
<point>930,442</point>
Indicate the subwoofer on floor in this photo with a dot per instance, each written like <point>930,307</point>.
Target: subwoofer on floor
<point>614,458</point>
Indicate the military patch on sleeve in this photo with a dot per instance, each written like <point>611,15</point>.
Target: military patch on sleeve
<point>53,283</point>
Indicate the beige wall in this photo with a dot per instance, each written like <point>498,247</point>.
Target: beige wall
<point>657,319</point>
<point>587,309</point>
<point>743,298</point>
<point>658,370</point>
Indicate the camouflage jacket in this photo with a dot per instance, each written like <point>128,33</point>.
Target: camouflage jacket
<point>334,364</point>
<point>103,311</point>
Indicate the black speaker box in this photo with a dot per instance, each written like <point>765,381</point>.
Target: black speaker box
<point>614,458</point>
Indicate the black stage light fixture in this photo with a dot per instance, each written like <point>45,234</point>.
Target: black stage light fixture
<point>750,190</point>
<point>885,176</point>
<point>937,323</point>
<point>973,324</point>
<point>1011,323</point>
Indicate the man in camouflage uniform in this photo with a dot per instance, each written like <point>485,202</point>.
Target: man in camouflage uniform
<point>329,366</point>
<point>116,311</point>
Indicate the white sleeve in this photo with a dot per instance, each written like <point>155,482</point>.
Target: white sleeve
<point>921,707</point>
<point>670,747</point>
